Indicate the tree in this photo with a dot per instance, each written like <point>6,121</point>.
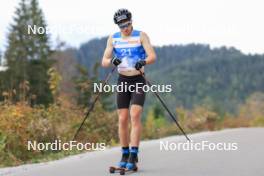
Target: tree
<point>158,111</point>
<point>0,58</point>
<point>28,54</point>
<point>83,87</point>
<point>66,66</point>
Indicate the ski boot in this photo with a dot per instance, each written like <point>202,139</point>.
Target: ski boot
<point>124,159</point>
<point>133,159</point>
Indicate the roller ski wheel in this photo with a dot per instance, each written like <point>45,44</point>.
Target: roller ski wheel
<point>112,170</point>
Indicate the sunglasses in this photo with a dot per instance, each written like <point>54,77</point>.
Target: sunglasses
<point>124,25</point>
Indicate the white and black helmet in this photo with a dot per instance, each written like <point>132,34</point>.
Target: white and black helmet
<point>122,14</point>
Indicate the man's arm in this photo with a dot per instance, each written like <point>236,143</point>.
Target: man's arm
<point>151,55</point>
<point>106,60</point>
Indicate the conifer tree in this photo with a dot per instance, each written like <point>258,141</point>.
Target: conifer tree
<point>28,54</point>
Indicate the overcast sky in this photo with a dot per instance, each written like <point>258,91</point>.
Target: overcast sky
<point>237,23</point>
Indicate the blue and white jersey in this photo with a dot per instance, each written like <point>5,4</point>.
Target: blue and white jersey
<point>129,50</point>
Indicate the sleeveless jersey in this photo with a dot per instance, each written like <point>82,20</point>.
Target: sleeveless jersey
<point>129,50</point>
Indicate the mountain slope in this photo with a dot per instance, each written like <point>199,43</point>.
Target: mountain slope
<point>220,77</point>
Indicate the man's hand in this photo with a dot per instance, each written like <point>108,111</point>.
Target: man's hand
<point>140,64</point>
<point>116,61</point>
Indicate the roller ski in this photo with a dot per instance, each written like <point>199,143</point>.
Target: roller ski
<point>122,171</point>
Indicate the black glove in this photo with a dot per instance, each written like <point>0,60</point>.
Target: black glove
<point>115,61</point>
<point>140,64</point>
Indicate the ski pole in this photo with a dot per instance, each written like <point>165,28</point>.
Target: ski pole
<point>92,105</point>
<point>165,106</point>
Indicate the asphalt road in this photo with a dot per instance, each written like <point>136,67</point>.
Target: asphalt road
<point>247,160</point>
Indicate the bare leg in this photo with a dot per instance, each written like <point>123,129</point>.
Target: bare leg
<point>123,127</point>
<point>135,113</point>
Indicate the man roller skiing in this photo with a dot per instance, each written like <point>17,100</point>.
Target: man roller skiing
<point>129,50</point>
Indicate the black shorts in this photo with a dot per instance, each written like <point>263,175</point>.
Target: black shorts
<point>125,97</point>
